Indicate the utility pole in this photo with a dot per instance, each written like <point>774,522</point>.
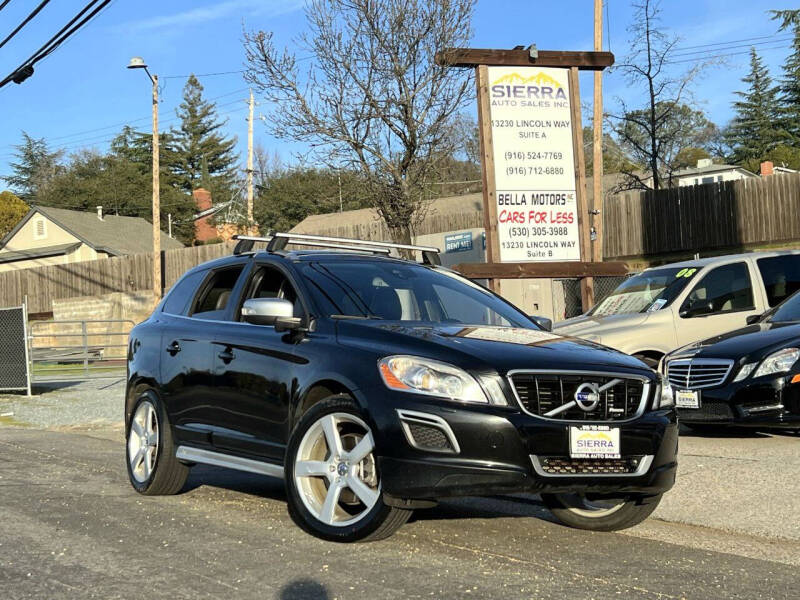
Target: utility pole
<point>137,62</point>
<point>250,166</point>
<point>597,153</point>
<point>156,197</point>
<point>339,178</point>
<point>169,221</point>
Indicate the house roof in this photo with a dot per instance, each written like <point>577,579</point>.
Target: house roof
<point>38,252</point>
<point>113,234</point>
<point>710,169</point>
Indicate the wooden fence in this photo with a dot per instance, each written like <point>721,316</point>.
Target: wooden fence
<point>727,215</point>
<point>42,285</point>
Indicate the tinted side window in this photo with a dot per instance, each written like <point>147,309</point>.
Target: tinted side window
<point>181,294</point>
<point>781,276</point>
<point>268,282</point>
<point>726,288</point>
<point>213,299</point>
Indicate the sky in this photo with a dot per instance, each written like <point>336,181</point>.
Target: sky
<point>82,94</point>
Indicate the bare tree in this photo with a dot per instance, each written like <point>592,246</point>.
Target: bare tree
<point>372,98</point>
<point>656,132</point>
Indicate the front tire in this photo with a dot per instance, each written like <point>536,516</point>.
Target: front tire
<point>332,481</point>
<point>599,514</point>
<point>153,469</point>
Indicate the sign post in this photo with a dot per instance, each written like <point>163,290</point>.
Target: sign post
<point>534,172</point>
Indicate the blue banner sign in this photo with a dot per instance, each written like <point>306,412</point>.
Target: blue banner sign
<point>458,242</point>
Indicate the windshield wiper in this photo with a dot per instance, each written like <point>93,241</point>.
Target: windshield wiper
<point>357,317</point>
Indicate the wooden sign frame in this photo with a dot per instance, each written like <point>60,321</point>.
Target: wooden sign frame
<point>493,270</point>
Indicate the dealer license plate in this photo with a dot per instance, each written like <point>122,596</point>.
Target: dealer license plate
<point>594,441</point>
<point>687,399</point>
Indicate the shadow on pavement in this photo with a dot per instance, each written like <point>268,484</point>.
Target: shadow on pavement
<point>304,589</point>
<point>720,431</point>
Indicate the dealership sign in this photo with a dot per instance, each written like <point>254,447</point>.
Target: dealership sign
<point>534,164</point>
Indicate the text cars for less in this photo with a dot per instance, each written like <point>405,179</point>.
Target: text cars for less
<point>375,385</point>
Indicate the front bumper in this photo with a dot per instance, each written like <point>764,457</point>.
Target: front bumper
<point>770,401</point>
<point>497,448</point>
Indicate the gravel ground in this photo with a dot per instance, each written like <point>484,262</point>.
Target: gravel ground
<point>742,485</point>
<point>96,402</point>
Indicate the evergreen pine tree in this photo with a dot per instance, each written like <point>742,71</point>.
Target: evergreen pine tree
<point>790,90</point>
<point>203,156</point>
<point>34,167</point>
<point>755,128</point>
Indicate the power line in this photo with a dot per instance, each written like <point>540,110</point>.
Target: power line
<point>25,70</point>
<point>762,37</point>
<point>203,74</point>
<point>734,47</point>
<point>3,4</point>
<point>25,21</point>
<point>712,56</point>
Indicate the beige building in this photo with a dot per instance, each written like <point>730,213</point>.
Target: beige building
<point>55,236</point>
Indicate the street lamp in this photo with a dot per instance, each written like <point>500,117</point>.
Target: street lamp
<point>137,62</point>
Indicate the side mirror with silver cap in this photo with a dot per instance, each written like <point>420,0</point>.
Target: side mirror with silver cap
<point>270,311</point>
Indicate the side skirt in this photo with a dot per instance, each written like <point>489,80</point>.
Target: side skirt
<point>207,457</point>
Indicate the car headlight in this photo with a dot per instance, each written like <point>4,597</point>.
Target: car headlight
<point>666,398</point>
<point>744,371</point>
<point>778,362</point>
<point>425,376</point>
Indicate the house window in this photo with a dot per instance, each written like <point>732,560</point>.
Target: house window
<point>39,229</point>
<point>719,177</point>
<point>708,179</point>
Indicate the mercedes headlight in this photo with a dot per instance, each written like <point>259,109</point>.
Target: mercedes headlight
<point>744,371</point>
<point>778,362</point>
<point>433,378</point>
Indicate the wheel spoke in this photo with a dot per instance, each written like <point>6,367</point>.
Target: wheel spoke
<point>136,427</point>
<point>146,463</point>
<point>311,468</point>
<point>332,438</point>
<point>362,449</point>
<point>137,458</point>
<point>328,512</point>
<point>365,493</point>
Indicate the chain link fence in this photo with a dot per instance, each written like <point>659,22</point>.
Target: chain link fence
<point>14,367</point>
<point>567,294</point>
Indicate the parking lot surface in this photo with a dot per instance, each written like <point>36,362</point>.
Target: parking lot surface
<point>72,527</point>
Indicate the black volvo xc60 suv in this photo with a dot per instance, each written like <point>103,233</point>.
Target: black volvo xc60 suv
<point>376,385</point>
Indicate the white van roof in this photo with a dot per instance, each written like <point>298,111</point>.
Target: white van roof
<point>711,260</point>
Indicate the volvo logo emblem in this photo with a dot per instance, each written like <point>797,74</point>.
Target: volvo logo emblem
<point>587,396</point>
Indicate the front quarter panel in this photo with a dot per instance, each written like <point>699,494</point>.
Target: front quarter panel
<point>144,343</point>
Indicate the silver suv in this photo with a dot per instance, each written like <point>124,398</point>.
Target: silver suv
<point>665,307</point>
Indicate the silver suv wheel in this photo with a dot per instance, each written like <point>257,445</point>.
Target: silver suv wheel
<point>143,441</point>
<point>334,470</point>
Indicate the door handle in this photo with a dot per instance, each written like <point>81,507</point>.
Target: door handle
<point>226,356</point>
<point>174,348</point>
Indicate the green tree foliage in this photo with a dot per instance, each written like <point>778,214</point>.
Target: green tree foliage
<point>12,209</point>
<point>203,157</point>
<point>287,196</point>
<point>755,129</point>
<point>688,157</point>
<point>34,166</point>
<point>615,159</point>
<point>789,84</point>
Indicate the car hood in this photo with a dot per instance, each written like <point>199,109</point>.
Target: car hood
<point>597,325</point>
<point>754,341</point>
<point>483,347</point>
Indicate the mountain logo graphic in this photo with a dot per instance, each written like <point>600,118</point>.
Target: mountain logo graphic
<point>538,79</point>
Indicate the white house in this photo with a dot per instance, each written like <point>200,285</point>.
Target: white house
<point>707,172</point>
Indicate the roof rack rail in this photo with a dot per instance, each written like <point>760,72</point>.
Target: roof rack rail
<point>279,241</point>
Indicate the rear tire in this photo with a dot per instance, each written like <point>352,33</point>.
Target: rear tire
<point>153,469</point>
<point>332,481</point>
<point>600,515</point>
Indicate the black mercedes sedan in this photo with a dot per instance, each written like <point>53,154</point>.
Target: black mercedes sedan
<point>375,385</point>
<point>749,377</point>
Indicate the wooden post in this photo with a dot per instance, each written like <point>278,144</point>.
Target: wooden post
<point>597,149</point>
<point>587,284</point>
<point>250,167</point>
<point>487,161</point>
<point>156,199</point>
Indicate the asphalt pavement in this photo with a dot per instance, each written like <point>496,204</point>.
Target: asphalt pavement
<point>72,527</point>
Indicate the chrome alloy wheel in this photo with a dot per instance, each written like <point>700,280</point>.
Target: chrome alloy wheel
<point>592,508</point>
<point>143,441</point>
<point>334,470</point>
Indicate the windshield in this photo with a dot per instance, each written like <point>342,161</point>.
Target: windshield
<point>405,292</point>
<point>788,311</point>
<point>648,291</point>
